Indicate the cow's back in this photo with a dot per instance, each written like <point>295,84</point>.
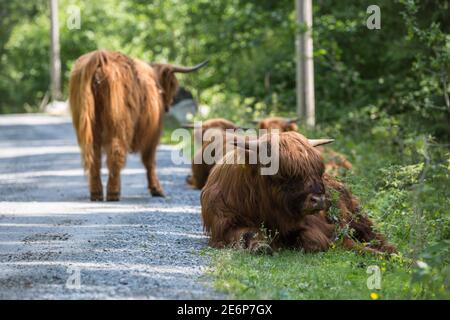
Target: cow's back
<point>127,100</point>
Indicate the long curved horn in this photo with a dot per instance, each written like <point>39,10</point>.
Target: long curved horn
<point>319,142</point>
<point>255,121</point>
<point>187,125</point>
<point>181,69</point>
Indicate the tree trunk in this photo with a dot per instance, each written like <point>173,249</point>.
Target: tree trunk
<point>55,61</point>
<point>305,64</point>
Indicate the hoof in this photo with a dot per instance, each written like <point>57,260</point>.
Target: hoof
<point>113,197</point>
<point>157,193</point>
<point>97,196</point>
<point>262,248</point>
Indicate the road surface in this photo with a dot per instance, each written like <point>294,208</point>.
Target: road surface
<point>55,244</point>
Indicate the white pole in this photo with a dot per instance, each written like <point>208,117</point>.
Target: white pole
<point>299,61</point>
<point>55,60</point>
<point>305,64</point>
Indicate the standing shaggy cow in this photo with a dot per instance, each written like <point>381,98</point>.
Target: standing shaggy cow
<point>335,163</point>
<point>117,106</point>
<point>291,209</point>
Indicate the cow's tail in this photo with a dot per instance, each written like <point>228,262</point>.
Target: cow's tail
<point>82,103</point>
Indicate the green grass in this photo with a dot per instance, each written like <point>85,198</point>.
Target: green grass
<point>335,274</point>
<point>386,180</point>
<point>413,214</point>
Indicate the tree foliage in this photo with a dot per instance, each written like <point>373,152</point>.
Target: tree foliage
<point>401,69</point>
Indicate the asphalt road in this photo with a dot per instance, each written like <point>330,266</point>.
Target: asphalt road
<point>56,244</point>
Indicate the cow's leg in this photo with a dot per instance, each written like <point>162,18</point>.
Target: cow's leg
<point>249,238</point>
<point>116,153</point>
<point>350,244</point>
<point>312,239</point>
<point>364,232</point>
<point>149,160</point>
<point>95,177</point>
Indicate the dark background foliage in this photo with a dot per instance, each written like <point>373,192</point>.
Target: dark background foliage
<point>401,69</point>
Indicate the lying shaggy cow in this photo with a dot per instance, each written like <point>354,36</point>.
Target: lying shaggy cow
<point>218,123</point>
<point>335,163</point>
<point>291,209</point>
<point>117,105</point>
<point>200,169</point>
<point>282,124</point>
<point>204,137</point>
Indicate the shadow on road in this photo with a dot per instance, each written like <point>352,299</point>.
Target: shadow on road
<point>41,162</point>
<point>140,247</point>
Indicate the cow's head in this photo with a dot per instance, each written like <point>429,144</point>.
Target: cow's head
<point>215,123</point>
<point>167,81</point>
<point>282,124</point>
<point>298,184</point>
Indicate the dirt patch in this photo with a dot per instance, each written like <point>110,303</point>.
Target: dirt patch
<point>46,237</point>
<point>70,222</point>
<point>29,256</point>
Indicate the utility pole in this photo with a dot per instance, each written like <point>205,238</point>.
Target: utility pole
<point>305,63</point>
<point>55,60</point>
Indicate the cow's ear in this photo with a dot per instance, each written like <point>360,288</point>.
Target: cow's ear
<point>246,143</point>
<point>168,83</point>
<point>319,142</point>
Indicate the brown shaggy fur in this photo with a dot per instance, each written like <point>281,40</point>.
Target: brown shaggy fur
<point>237,202</point>
<point>335,163</point>
<point>200,170</point>
<point>218,123</point>
<point>117,105</point>
<point>282,124</point>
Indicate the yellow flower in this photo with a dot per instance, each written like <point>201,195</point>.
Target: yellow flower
<point>374,296</point>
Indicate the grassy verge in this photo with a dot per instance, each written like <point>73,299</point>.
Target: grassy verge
<point>335,274</point>
<point>409,199</point>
